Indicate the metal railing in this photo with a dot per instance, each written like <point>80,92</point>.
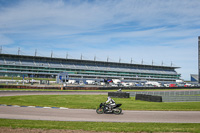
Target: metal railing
<point>166,93</point>
<point>180,98</point>
<point>172,96</point>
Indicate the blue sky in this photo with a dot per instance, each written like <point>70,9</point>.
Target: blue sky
<point>159,30</point>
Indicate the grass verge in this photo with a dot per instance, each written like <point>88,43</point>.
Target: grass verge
<point>102,126</point>
<point>92,102</point>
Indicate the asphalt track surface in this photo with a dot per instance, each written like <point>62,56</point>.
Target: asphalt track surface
<point>30,113</point>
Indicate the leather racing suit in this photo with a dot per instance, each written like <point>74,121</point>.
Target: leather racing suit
<point>111,103</point>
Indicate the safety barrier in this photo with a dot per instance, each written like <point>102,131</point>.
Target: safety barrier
<point>181,98</point>
<point>119,94</point>
<point>47,87</point>
<point>104,88</point>
<point>149,98</point>
<point>175,96</point>
<point>166,93</point>
<point>145,88</point>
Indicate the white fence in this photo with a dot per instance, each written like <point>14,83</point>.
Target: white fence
<point>172,96</point>
<point>180,98</point>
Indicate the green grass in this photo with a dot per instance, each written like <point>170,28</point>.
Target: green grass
<point>103,126</point>
<point>92,102</point>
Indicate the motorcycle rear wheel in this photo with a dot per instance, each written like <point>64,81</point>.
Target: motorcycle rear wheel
<point>99,111</point>
<point>117,111</point>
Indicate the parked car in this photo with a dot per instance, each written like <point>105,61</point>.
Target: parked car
<point>172,85</point>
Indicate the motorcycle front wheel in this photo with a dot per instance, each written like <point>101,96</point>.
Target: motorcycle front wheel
<point>99,111</point>
<point>117,111</point>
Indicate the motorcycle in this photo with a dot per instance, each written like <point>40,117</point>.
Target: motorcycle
<point>104,108</point>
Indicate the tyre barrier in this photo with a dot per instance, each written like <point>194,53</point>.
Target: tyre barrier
<point>150,98</point>
<point>119,94</point>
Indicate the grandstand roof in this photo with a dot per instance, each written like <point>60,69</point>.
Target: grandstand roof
<point>88,62</point>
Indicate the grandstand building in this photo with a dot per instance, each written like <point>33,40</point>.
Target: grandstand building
<point>48,67</point>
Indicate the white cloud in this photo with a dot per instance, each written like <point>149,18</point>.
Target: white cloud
<point>159,30</point>
<point>5,40</point>
<point>89,15</point>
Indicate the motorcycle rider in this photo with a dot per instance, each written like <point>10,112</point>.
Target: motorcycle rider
<point>111,103</point>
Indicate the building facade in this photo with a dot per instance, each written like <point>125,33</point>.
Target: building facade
<point>194,77</point>
<point>47,67</point>
<point>199,58</point>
